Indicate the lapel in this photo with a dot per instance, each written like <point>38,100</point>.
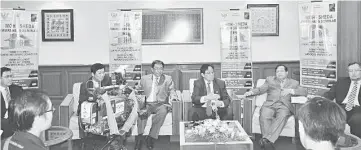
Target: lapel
<point>215,87</point>
<point>287,83</point>
<point>348,83</point>
<point>204,87</point>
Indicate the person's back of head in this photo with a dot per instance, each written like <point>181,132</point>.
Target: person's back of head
<point>321,122</point>
<point>31,112</point>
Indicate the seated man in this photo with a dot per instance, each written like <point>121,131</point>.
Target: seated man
<point>31,113</point>
<point>209,91</point>
<point>157,88</point>
<point>347,93</point>
<point>276,110</point>
<point>8,91</point>
<point>321,122</point>
<point>97,80</point>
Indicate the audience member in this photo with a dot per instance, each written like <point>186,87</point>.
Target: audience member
<point>31,113</point>
<point>321,122</point>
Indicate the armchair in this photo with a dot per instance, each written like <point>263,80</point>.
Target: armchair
<point>257,102</point>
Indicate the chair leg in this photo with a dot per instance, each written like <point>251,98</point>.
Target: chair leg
<point>293,140</point>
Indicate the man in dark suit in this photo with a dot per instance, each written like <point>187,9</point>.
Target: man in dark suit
<point>98,79</point>
<point>347,93</point>
<point>276,110</point>
<point>8,92</point>
<point>209,92</point>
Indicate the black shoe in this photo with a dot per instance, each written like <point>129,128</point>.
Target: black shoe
<point>138,142</point>
<point>266,144</point>
<point>150,142</point>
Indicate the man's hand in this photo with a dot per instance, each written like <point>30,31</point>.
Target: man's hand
<point>219,103</point>
<point>286,92</point>
<point>212,97</point>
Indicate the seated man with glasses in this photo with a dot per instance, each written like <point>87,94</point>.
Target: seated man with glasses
<point>8,92</point>
<point>157,87</point>
<point>209,96</point>
<point>347,93</point>
<point>31,113</point>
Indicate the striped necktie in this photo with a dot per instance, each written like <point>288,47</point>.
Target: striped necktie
<point>155,89</point>
<point>7,92</point>
<point>208,88</point>
<point>351,97</point>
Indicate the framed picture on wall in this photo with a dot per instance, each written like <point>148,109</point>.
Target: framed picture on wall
<point>265,19</point>
<point>57,25</point>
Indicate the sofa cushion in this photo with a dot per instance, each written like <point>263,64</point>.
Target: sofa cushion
<point>76,93</point>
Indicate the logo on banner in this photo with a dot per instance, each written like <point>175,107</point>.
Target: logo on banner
<point>305,8</point>
<point>5,15</point>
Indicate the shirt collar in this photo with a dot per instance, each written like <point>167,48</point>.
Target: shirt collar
<point>31,137</point>
<point>205,81</point>
<point>2,88</point>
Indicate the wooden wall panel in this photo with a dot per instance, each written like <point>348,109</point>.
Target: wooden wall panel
<point>52,83</point>
<point>349,35</point>
<point>58,80</point>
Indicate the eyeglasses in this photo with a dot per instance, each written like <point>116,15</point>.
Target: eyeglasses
<point>356,70</point>
<point>51,110</point>
<point>8,76</point>
<point>158,68</point>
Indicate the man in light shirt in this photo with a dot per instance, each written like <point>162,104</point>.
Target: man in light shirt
<point>347,93</point>
<point>276,110</point>
<point>8,92</point>
<point>209,91</point>
<point>158,89</point>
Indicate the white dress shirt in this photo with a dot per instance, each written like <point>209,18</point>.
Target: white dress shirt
<point>3,92</point>
<point>202,100</point>
<point>151,96</point>
<point>356,103</point>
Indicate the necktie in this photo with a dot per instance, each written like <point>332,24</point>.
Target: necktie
<point>155,89</point>
<point>351,97</point>
<point>7,92</point>
<point>208,88</point>
<point>209,107</point>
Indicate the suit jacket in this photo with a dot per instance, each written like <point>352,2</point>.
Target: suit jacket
<point>165,87</point>
<point>340,90</point>
<point>273,88</point>
<point>15,90</point>
<point>200,89</point>
<point>84,95</point>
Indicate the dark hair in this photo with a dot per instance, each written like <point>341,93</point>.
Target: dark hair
<point>323,119</point>
<point>204,67</point>
<point>95,67</point>
<point>24,108</point>
<point>4,69</point>
<point>281,65</point>
<point>350,64</point>
<point>157,62</point>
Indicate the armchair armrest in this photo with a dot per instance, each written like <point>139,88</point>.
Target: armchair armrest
<point>66,110</point>
<point>176,116</point>
<point>248,109</point>
<point>298,99</point>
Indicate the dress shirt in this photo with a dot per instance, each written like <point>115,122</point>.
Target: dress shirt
<point>3,92</point>
<point>202,100</point>
<point>151,96</point>
<point>356,103</point>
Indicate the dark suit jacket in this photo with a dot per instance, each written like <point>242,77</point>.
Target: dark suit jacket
<point>84,95</point>
<point>200,89</point>
<point>273,88</point>
<point>15,90</point>
<point>340,90</point>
